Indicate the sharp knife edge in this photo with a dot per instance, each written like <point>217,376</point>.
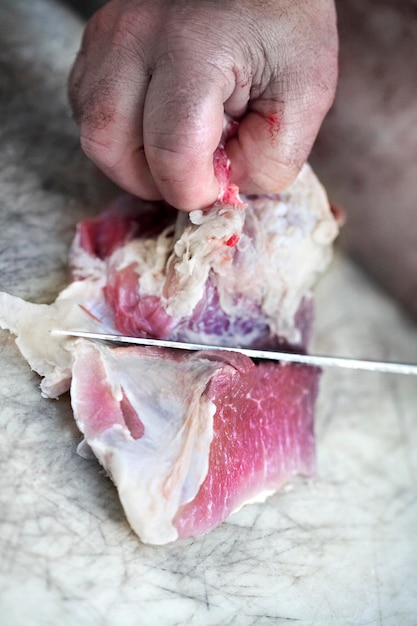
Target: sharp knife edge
<point>386,367</point>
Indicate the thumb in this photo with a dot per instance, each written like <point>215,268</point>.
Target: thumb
<point>275,137</point>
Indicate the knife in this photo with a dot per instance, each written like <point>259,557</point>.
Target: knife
<point>386,367</point>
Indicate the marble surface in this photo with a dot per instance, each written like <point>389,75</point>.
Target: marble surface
<point>339,549</point>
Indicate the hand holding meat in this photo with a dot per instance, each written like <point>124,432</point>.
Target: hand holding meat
<point>153,80</point>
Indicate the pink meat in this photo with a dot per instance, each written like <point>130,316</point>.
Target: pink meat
<point>137,313</point>
<point>124,221</point>
<point>263,437</point>
<point>134,314</point>
<point>189,438</point>
<point>180,470</point>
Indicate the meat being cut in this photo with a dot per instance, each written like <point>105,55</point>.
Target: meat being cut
<point>188,438</point>
<point>236,275</point>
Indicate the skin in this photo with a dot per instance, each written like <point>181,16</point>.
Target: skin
<point>153,79</point>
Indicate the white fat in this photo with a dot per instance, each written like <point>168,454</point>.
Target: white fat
<point>48,355</point>
<point>83,264</point>
<point>149,257</point>
<point>165,468</point>
<point>88,294</point>
<point>290,245</point>
<point>200,249</point>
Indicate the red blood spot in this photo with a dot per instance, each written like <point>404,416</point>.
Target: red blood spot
<point>232,241</point>
<point>274,124</point>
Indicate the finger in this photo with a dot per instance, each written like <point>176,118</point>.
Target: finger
<point>107,91</point>
<point>183,123</point>
<point>111,135</point>
<point>275,137</point>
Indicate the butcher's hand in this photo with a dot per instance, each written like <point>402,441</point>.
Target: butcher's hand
<point>153,79</point>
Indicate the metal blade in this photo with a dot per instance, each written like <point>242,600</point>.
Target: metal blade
<point>307,359</point>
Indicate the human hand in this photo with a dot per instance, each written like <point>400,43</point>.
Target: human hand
<point>153,80</point>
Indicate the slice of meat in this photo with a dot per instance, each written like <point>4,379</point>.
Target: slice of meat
<point>189,439</point>
<point>186,438</point>
<point>236,275</point>
<point>263,437</point>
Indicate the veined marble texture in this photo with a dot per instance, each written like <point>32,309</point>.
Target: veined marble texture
<point>337,550</point>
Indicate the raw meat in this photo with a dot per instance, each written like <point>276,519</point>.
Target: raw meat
<point>188,438</point>
<point>235,275</point>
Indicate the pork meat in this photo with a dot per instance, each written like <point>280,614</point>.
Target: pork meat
<point>235,275</point>
<point>188,438</point>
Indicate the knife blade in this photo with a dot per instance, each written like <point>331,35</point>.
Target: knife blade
<point>387,367</point>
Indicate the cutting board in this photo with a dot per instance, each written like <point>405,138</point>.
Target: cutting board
<point>338,549</point>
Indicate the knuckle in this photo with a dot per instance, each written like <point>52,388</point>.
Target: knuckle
<point>97,109</point>
<point>100,148</point>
